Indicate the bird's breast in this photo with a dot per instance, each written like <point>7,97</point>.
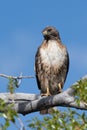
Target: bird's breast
<point>53,54</point>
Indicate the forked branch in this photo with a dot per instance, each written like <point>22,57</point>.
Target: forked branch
<point>28,103</point>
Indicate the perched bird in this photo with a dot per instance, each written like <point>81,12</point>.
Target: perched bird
<point>51,64</point>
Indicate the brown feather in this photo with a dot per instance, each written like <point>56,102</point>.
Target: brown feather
<point>51,64</point>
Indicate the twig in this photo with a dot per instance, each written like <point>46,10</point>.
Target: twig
<point>21,123</point>
<point>15,77</point>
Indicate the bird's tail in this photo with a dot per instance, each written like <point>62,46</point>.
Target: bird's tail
<point>42,112</point>
<point>47,111</point>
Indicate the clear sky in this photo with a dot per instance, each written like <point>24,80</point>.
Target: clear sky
<point>21,23</point>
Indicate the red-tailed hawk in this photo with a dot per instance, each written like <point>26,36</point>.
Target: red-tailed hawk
<point>51,63</point>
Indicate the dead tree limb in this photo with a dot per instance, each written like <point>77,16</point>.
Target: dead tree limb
<point>15,77</point>
<point>28,103</point>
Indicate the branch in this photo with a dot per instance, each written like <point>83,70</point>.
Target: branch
<point>15,77</point>
<point>28,103</point>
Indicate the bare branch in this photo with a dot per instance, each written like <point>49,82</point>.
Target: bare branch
<point>15,77</point>
<point>28,103</point>
<point>22,124</point>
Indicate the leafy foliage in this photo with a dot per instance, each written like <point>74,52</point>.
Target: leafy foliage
<point>12,85</point>
<point>67,120</point>
<point>81,91</point>
<point>7,113</point>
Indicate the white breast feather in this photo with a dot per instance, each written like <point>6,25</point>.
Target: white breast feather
<point>55,56</point>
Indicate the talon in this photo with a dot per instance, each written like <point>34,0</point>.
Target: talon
<point>46,94</point>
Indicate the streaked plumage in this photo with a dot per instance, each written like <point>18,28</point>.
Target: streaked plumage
<point>51,63</point>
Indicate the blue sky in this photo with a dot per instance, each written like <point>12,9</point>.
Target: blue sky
<point>21,23</point>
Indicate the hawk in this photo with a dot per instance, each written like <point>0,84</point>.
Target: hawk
<point>51,63</point>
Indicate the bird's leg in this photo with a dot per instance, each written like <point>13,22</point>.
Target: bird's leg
<point>60,88</point>
<point>47,93</point>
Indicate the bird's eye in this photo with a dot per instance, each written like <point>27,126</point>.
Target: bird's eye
<point>49,30</point>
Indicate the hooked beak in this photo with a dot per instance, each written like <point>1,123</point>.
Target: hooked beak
<point>45,33</point>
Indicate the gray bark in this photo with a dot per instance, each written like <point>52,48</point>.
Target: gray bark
<point>28,103</point>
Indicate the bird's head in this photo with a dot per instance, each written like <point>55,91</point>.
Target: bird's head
<point>50,33</point>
